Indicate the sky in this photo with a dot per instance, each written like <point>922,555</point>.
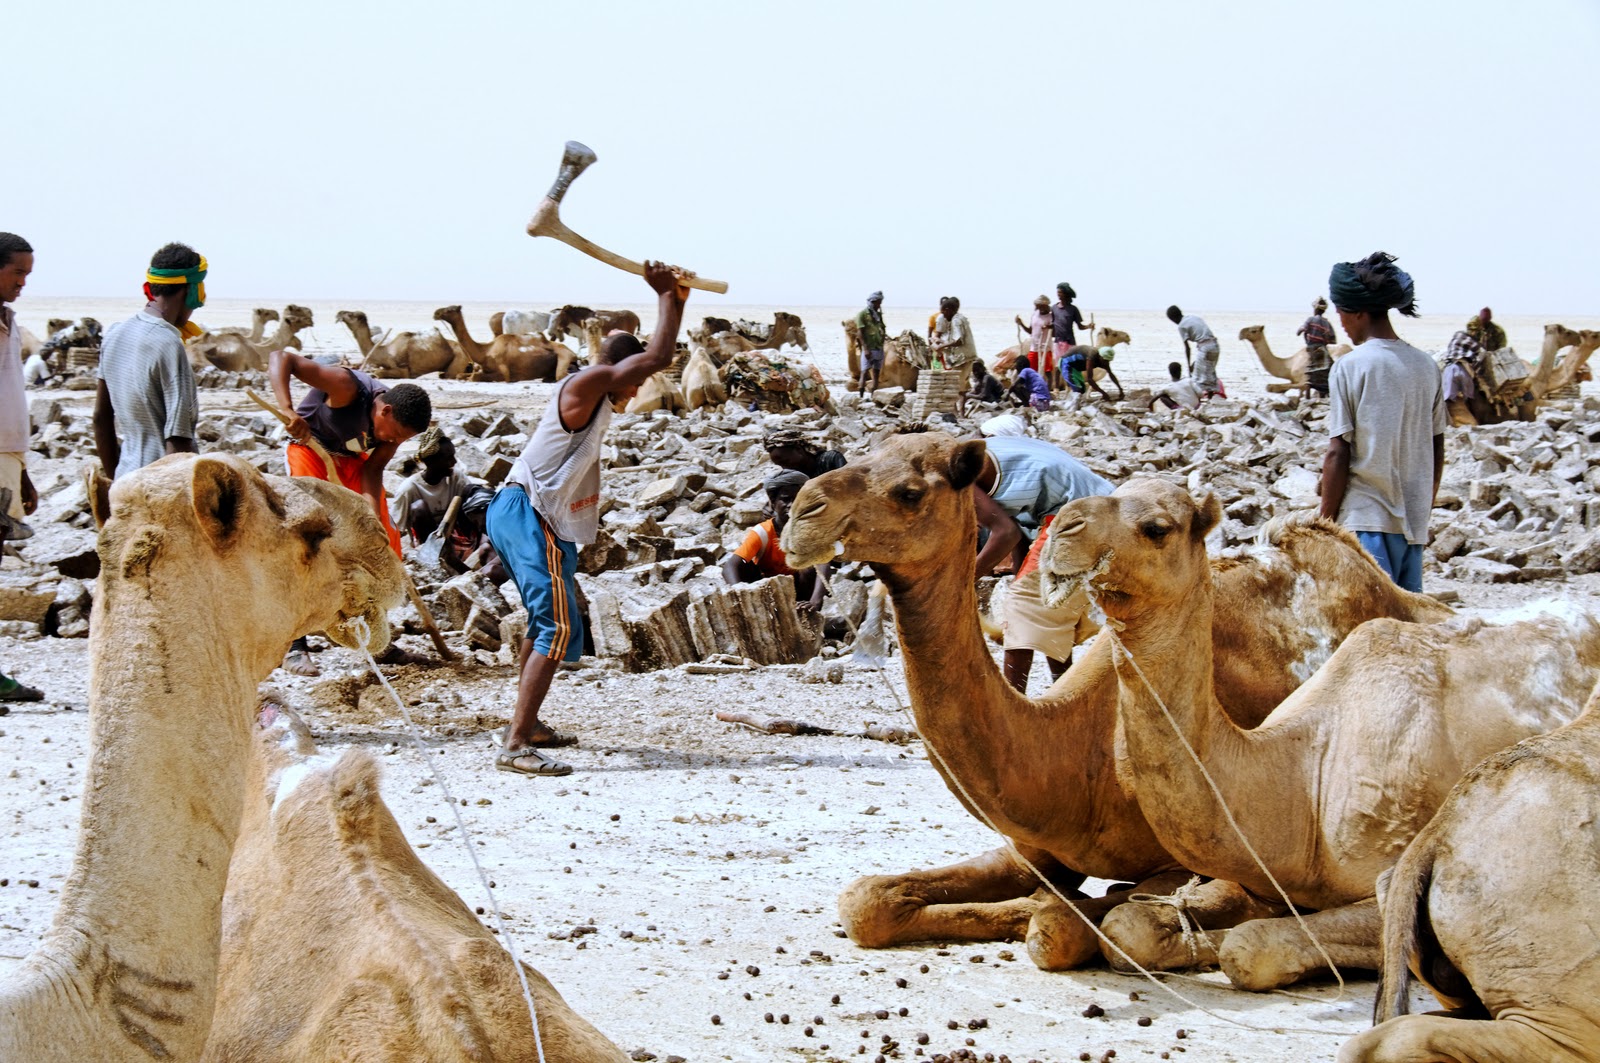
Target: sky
<point>1216,155</point>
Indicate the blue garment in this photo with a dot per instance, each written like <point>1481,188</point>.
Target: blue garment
<point>545,570</point>
<point>1038,390</point>
<point>1400,559</point>
<point>1036,478</point>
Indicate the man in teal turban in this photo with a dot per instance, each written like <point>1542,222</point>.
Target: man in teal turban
<point>1386,421</point>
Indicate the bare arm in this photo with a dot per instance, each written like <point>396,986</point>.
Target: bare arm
<point>337,383</point>
<point>1336,474</point>
<point>580,397</point>
<point>1004,533</point>
<point>372,476</point>
<point>106,443</point>
<point>818,587</point>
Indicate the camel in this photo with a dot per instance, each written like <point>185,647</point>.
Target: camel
<point>904,357</point>
<point>568,321</point>
<point>257,330</point>
<point>1574,364</point>
<point>1290,370</point>
<point>399,964</point>
<point>405,356</point>
<point>1007,359</point>
<point>905,509</point>
<point>660,392</point>
<point>702,385</point>
<point>1521,401</point>
<point>508,358</point>
<point>1336,780</point>
<point>236,353</point>
<point>1490,906</point>
<point>519,322</point>
<point>210,569</point>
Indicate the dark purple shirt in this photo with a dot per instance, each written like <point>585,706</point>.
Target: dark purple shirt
<point>1062,318</point>
<point>345,429</point>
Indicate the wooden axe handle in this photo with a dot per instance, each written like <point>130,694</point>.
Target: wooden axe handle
<point>546,221</point>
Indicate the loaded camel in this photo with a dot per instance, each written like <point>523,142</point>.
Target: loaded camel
<point>508,358</point>
<point>1336,780</point>
<point>1490,906</point>
<point>236,353</point>
<point>129,970</point>
<point>405,356</point>
<point>414,974</point>
<point>1290,370</point>
<point>904,357</point>
<point>519,322</point>
<point>1519,400</point>
<point>907,509</point>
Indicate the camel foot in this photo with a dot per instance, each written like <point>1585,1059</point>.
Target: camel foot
<point>1059,940</point>
<point>299,662</point>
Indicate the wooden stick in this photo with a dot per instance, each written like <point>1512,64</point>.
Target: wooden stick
<point>774,725</point>
<point>321,452</point>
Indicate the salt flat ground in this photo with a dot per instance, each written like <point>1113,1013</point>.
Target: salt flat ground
<point>695,849</point>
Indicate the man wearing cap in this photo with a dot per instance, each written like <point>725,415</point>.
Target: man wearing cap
<point>760,555</point>
<point>872,334</point>
<point>1318,335</point>
<point>145,402</point>
<point>1386,421</point>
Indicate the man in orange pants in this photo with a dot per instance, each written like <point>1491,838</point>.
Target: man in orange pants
<point>360,422</point>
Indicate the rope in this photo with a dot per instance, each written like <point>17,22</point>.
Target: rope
<point>358,627</point>
<point>1178,900</point>
<point>987,821</point>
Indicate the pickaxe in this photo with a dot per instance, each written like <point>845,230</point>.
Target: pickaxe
<point>546,220</point>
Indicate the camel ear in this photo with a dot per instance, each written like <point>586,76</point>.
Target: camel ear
<point>1208,512</point>
<point>218,490</point>
<point>966,462</point>
<point>98,489</point>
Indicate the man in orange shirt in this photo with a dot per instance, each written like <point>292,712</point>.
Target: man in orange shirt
<point>760,556</point>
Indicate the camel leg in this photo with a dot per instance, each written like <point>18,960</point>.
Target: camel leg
<point>1267,953</point>
<point>1437,1039</point>
<point>987,898</point>
<point>1058,940</point>
<point>1153,933</point>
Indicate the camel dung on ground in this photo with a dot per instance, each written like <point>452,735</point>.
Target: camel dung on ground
<point>336,934</point>
<point>1291,370</point>
<point>1337,779</point>
<point>508,357</point>
<point>407,355</point>
<point>907,509</point>
<point>1490,906</point>
<point>128,969</point>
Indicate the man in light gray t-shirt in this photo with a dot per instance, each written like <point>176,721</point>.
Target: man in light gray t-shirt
<point>1386,422</point>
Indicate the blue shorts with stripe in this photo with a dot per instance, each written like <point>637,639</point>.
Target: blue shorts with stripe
<point>545,570</point>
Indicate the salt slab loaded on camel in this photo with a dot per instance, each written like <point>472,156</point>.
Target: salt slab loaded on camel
<point>354,942</point>
<point>1043,771</point>
<point>1337,779</point>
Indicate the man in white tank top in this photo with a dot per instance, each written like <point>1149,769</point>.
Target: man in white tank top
<point>550,506</point>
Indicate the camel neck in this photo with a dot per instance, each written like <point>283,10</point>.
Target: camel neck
<point>987,733</point>
<point>128,969</point>
<point>458,325</point>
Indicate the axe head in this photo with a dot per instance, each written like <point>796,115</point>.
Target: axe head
<point>575,159</point>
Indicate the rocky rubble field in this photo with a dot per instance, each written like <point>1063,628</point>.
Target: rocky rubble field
<point>679,888</point>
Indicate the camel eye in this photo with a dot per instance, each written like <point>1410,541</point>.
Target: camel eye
<point>1156,529</point>
<point>908,496</point>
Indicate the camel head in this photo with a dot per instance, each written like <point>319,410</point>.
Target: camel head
<point>794,331</point>
<point>1110,337</point>
<point>1561,336</point>
<point>351,318</point>
<point>264,314</point>
<point>1142,547</point>
<point>906,504</point>
<point>1252,333</point>
<point>448,313</point>
<point>296,316</point>
<point>56,324</point>
<point>288,556</point>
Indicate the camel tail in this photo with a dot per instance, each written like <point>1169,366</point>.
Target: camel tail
<point>1403,888</point>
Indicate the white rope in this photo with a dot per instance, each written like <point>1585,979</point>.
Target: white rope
<point>973,804</point>
<point>358,627</point>
<point>1117,644</point>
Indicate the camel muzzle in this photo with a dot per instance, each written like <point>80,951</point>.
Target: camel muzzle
<point>546,221</point>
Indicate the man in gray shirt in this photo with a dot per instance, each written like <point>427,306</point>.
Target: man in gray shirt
<point>145,406</point>
<point>1202,360</point>
<point>1385,423</point>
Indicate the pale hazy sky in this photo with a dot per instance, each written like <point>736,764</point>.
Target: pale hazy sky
<point>1219,155</point>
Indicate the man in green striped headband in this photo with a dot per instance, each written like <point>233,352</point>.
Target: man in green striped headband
<point>146,405</point>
